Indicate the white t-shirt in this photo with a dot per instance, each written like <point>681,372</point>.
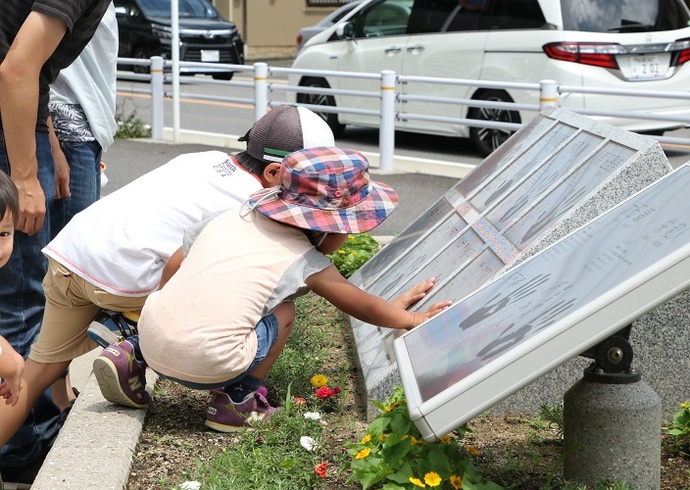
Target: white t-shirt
<point>121,242</point>
<point>200,326</point>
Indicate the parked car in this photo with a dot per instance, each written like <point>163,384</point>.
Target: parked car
<point>145,30</point>
<point>306,33</point>
<point>612,44</point>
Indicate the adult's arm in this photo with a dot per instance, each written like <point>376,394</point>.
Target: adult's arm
<point>36,40</point>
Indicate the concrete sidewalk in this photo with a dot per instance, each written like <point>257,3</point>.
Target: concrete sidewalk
<point>94,449</point>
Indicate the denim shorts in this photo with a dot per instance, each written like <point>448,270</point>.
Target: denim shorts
<point>266,335</point>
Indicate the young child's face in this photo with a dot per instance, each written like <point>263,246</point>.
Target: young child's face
<point>6,238</point>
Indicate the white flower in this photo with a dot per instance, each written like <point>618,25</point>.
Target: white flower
<point>308,443</point>
<point>312,415</point>
<point>190,485</point>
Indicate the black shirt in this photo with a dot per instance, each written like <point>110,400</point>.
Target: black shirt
<point>81,18</point>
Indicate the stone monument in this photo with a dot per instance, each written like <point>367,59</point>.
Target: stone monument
<point>555,174</point>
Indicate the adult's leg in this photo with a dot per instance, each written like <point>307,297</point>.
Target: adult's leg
<point>22,300</point>
<point>84,161</point>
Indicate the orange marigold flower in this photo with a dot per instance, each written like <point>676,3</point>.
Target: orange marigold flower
<point>366,439</point>
<point>456,481</point>
<point>319,380</point>
<point>320,469</point>
<point>473,450</point>
<point>363,453</point>
<point>417,482</point>
<point>445,439</point>
<point>432,479</point>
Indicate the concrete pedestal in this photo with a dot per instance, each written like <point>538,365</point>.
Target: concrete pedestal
<point>612,433</point>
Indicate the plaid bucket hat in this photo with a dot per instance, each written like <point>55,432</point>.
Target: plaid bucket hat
<point>284,129</point>
<point>326,189</point>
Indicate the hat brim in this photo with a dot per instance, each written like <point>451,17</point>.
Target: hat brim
<point>362,217</point>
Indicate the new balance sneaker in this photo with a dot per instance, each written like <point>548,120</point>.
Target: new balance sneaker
<point>121,377</point>
<point>110,327</point>
<point>224,415</point>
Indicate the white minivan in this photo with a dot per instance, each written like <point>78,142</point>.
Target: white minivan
<point>639,44</point>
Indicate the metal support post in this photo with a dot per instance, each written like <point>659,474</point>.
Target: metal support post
<point>157,94</point>
<point>387,129</point>
<point>548,90</point>
<point>260,90</point>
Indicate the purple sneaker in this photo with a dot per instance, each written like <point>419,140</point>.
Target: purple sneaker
<point>121,377</point>
<point>224,415</point>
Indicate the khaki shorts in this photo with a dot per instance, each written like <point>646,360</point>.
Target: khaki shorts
<point>71,304</point>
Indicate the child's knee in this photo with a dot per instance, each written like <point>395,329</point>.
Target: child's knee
<point>285,314</point>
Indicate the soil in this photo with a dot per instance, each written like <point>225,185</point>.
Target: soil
<point>517,452</point>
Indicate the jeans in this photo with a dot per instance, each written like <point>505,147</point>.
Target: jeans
<point>85,183</point>
<point>21,310</point>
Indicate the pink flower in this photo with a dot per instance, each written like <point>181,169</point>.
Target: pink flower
<point>298,400</point>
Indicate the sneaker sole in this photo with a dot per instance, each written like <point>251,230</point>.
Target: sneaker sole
<point>106,374</point>
<point>101,334</point>
<point>222,427</point>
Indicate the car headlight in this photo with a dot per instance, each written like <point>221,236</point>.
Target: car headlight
<point>164,33</point>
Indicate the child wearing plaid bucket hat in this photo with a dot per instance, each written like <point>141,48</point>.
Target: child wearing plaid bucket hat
<point>226,303</point>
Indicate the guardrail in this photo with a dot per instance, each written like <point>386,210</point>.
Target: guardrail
<point>262,86</point>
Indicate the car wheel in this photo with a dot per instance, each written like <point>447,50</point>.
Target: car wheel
<point>487,140</point>
<point>226,75</point>
<point>324,100</point>
<point>141,53</point>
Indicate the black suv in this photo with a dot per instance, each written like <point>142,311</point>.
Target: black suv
<point>145,30</point>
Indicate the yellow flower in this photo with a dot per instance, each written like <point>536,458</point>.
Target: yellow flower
<point>416,442</point>
<point>350,237</point>
<point>432,479</point>
<point>383,437</point>
<point>456,481</point>
<point>391,406</point>
<point>319,380</point>
<point>417,482</point>
<point>353,252</point>
<point>341,251</point>
<point>363,453</point>
<point>366,439</point>
<point>445,439</point>
<point>685,405</point>
<point>473,450</point>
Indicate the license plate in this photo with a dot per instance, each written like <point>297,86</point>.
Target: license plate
<point>647,66</point>
<point>210,55</point>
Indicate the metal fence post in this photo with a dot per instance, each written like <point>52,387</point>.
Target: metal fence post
<point>157,97</point>
<point>387,129</point>
<point>260,90</point>
<point>548,90</point>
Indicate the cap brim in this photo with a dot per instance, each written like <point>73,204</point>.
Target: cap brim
<point>362,217</point>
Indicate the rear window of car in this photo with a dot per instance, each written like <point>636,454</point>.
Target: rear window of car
<point>624,15</point>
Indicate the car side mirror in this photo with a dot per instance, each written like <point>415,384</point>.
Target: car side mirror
<point>346,30</point>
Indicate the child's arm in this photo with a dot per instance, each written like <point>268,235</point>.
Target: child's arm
<point>171,266</point>
<point>347,297</point>
<point>11,370</point>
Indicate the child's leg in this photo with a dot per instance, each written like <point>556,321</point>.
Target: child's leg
<point>36,378</point>
<point>62,392</point>
<point>285,314</point>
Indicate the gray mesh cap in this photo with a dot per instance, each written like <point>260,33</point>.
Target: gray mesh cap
<point>284,130</point>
